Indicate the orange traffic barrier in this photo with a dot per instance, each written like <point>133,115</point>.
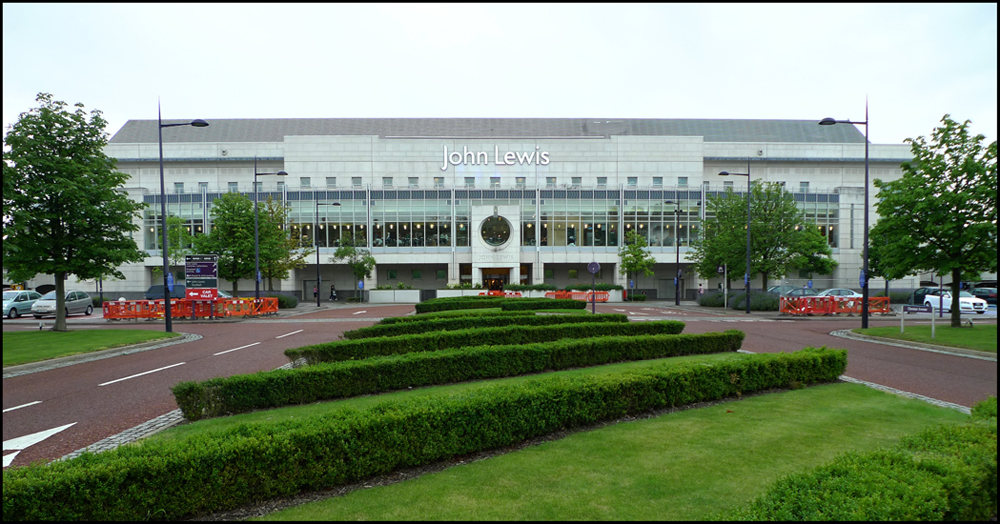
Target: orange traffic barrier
<point>184,308</point>
<point>586,296</point>
<point>832,305</point>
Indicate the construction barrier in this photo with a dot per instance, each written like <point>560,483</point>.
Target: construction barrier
<point>498,293</point>
<point>832,305</point>
<point>193,309</point>
<point>586,296</point>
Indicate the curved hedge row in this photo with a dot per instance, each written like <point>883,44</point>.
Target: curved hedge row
<point>451,324</point>
<point>174,479</point>
<point>452,303</point>
<point>452,314</point>
<point>944,473</point>
<point>538,304</point>
<point>370,347</point>
<point>283,387</point>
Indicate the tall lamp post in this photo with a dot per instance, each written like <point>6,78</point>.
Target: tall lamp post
<point>746,277</point>
<point>677,249</point>
<point>163,210</point>
<point>256,237</point>
<point>316,242</point>
<point>864,255</point>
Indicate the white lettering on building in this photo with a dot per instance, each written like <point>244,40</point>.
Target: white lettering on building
<point>508,158</point>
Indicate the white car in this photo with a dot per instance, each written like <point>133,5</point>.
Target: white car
<point>840,292</point>
<point>967,302</point>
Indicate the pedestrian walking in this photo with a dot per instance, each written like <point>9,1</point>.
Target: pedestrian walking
<point>315,291</point>
<point>701,290</point>
<point>333,292</point>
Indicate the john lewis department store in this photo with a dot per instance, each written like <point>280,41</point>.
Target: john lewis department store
<point>494,201</point>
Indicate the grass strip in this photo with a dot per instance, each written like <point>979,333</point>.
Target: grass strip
<point>981,337</point>
<point>248,463</point>
<point>269,389</point>
<point>681,466</point>
<point>507,335</point>
<point>25,347</point>
<point>452,324</point>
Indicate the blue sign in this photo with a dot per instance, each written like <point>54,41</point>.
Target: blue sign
<point>170,282</point>
<point>675,281</point>
<point>258,277</point>
<point>361,284</point>
<point>631,283</point>
<point>746,279</point>
<point>862,279</point>
<point>809,284</point>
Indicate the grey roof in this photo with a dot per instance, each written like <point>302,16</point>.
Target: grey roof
<point>275,129</point>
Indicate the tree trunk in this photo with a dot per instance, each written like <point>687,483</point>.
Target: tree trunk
<point>763,279</point>
<point>60,302</point>
<point>956,287</point>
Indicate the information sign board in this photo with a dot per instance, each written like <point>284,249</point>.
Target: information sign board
<point>202,275</point>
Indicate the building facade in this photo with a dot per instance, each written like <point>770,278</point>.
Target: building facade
<point>443,202</point>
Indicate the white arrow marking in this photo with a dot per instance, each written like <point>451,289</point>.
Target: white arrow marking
<point>143,373</point>
<point>360,312</point>
<point>23,406</point>
<point>235,349</point>
<point>288,334</point>
<point>20,443</point>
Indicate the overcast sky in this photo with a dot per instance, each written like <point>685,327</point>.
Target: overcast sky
<point>913,62</point>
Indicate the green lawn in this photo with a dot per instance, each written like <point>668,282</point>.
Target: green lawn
<point>687,465</point>
<point>23,347</point>
<point>981,337</point>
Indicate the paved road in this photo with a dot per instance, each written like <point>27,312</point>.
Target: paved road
<point>102,398</point>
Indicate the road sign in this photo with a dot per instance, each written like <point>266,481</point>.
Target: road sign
<point>809,284</point>
<point>593,268</point>
<point>202,276</point>
<point>631,283</point>
<point>721,270</point>
<point>361,284</point>
<point>861,279</point>
<point>170,282</point>
<point>917,309</point>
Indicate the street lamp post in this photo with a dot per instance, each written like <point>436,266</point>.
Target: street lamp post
<point>256,238</point>
<point>746,277</point>
<point>316,243</point>
<point>163,210</point>
<point>677,249</point>
<point>864,248</point>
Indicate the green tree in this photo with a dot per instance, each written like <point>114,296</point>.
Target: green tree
<point>780,237</point>
<point>634,256</point>
<point>179,242</point>
<point>231,237</point>
<point>358,258</point>
<point>280,250</point>
<point>941,215</point>
<point>63,206</point>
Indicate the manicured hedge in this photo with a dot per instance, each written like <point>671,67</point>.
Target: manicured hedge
<point>453,314</point>
<point>944,473</point>
<point>451,324</point>
<point>370,347</point>
<point>452,303</point>
<point>183,478</point>
<point>538,304</point>
<point>270,389</point>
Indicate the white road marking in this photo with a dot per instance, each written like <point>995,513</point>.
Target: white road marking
<point>634,313</point>
<point>143,373</point>
<point>360,312</point>
<point>289,334</point>
<point>20,443</point>
<point>234,349</point>
<point>23,406</point>
<point>619,310</point>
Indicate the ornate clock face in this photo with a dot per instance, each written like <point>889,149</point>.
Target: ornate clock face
<point>495,231</point>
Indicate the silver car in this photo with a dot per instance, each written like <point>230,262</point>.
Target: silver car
<point>17,303</point>
<point>76,302</point>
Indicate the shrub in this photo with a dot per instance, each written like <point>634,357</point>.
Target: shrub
<point>985,409</point>
<point>454,314</point>
<point>532,287</point>
<point>538,304</point>
<point>214,471</point>
<point>453,303</point>
<point>635,297</point>
<point>370,347</point>
<point>944,473</point>
<point>712,299</point>
<point>285,301</point>
<point>466,322</point>
<point>759,301</point>
<point>270,389</point>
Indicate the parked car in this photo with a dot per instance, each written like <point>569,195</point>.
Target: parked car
<point>155,292</point>
<point>966,302</point>
<point>76,302</point>
<point>840,292</point>
<point>917,297</point>
<point>801,292</point>
<point>781,290</point>
<point>989,294</point>
<point>16,303</point>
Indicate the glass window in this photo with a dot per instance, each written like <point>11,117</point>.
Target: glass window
<point>577,181</point>
<point>550,181</point>
<point>804,187</point>
<point>496,231</point>
<point>356,181</point>
<point>682,181</point>
<point>413,181</point>
<point>727,183</point>
<point>573,273</point>
<point>331,181</point>
<point>602,182</point>
<point>391,274</point>
<point>281,185</point>
<point>387,181</point>
<point>202,186</point>
<point>442,274</point>
<point>305,181</point>
<point>178,187</point>
<point>259,186</point>
<point>470,181</point>
<point>550,274</point>
<point>520,182</point>
<point>657,181</point>
<point>633,181</point>
<point>415,275</point>
<point>494,182</point>
<point>234,187</point>
<point>439,181</point>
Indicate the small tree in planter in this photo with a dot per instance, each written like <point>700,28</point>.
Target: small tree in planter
<point>359,259</point>
<point>635,257</point>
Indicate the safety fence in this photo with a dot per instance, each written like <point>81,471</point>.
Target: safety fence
<point>187,308</point>
<point>498,293</point>
<point>586,296</point>
<point>832,305</point>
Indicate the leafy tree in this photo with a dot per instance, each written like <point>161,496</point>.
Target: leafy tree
<point>634,256</point>
<point>358,258</point>
<point>179,241</point>
<point>780,237</point>
<point>64,210</point>
<point>941,215</point>
<point>231,237</point>
<point>280,250</point>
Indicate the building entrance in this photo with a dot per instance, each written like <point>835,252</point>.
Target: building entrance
<point>496,278</point>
